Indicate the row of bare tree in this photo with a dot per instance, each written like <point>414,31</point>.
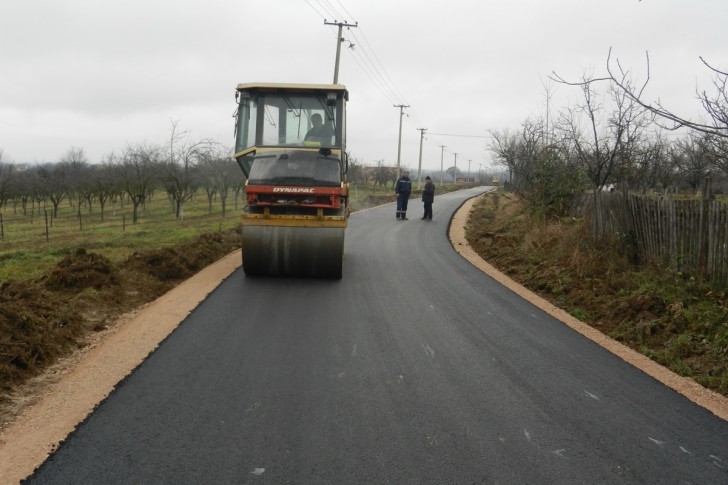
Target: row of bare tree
<point>181,168</point>
<point>613,136</point>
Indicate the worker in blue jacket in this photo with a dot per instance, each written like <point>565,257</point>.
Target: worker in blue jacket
<point>403,189</point>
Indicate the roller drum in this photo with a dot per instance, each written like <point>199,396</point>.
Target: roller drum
<point>293,251</point>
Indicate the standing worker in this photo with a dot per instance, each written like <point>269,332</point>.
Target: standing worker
<point>428,197</point>
<point>403,189</point>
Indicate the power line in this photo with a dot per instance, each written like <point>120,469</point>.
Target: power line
<point>364,55</point>
<point>315,9</point>
<point>326,6</point>
<point>463,136</point>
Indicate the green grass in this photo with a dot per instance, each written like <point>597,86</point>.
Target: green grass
<point>26,251</point>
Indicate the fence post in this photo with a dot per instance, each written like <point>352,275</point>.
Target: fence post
<point>703,228</point>
<point>46,224</point>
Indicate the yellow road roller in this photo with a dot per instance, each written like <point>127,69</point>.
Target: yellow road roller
<point>290,142</point>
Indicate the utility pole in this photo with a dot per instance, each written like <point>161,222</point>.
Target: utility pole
<point>339,40</point>
<point>455,171</point>
<point>469,169</point>
<point>442,173</point>
<point>399,143</point>
<point>419,167</point>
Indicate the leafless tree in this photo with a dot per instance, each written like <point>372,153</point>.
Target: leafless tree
<point>715,103</point>
<point>504,147</point>
<point>33,182</point>
<point>6,180</point>
<point>220,174</point>
<point>137,169</point>
<point>104,184</point>
<point>663,165</point>
<point>356,173</point>
<point>521,153</point>
<point>541,166</point>
<point>694,159</point>
<point>453,172</point>
<point>383,174</point>
<point>54,178</point>
<point>181,178</point>
<point>76,166</point>
<point>602,137</point>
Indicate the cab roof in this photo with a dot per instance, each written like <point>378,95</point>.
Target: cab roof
<point>293,87</point>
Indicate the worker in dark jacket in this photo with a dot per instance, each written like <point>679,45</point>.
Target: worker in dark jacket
<point>428,197</point>
<point>403,189</point>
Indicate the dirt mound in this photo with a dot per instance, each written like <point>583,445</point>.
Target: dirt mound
<point>81,270</point>
<point>175,263</point>
<point>37,326</point>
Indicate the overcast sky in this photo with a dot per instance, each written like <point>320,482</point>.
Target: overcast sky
<point>100,74</point>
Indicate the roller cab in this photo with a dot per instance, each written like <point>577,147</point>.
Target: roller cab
<point>290,145</point>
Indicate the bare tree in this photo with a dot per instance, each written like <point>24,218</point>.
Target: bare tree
<point>453,172</point>
<point>504,147</point>
<point>356,173</point>
<point>715,104</point>
<point>104,184</point>
<point>76,165</point>
<point>693,161</point>
<point>138,168</point>
<point>54,178</point>
<point>664,165</point>
<point>383,174</point>
<point>181,178</point>
<point>6,180</point>
<point>601,137</point>
<point>542,168</point>
<point>220,173</point>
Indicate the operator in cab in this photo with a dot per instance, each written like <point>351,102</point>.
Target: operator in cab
<point>320,132</point>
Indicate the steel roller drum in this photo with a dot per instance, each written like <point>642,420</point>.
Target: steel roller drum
<point>293,251</point>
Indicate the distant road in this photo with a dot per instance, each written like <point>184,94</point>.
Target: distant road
<point>414,368</point>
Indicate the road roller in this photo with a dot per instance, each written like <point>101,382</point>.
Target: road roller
<point>290,142</point>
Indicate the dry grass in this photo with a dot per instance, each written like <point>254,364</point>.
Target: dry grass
<point>675,320</point>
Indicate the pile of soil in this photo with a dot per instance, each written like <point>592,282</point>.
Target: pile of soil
<point>50,317</point>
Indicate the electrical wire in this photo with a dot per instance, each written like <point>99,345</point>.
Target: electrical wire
<point>363,54</point>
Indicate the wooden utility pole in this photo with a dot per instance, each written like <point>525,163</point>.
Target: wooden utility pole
<point>419,167</point>
<point>455,171</point>
<point>339,40</point>
<point>442,173</point>
<point>399,143</point>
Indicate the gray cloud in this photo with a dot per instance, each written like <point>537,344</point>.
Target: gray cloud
<point>98,75</point>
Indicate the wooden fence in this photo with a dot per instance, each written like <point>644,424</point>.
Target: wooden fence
<point>691,236</point>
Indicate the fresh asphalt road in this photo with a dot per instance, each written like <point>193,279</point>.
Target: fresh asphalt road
<point>414,368</point>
